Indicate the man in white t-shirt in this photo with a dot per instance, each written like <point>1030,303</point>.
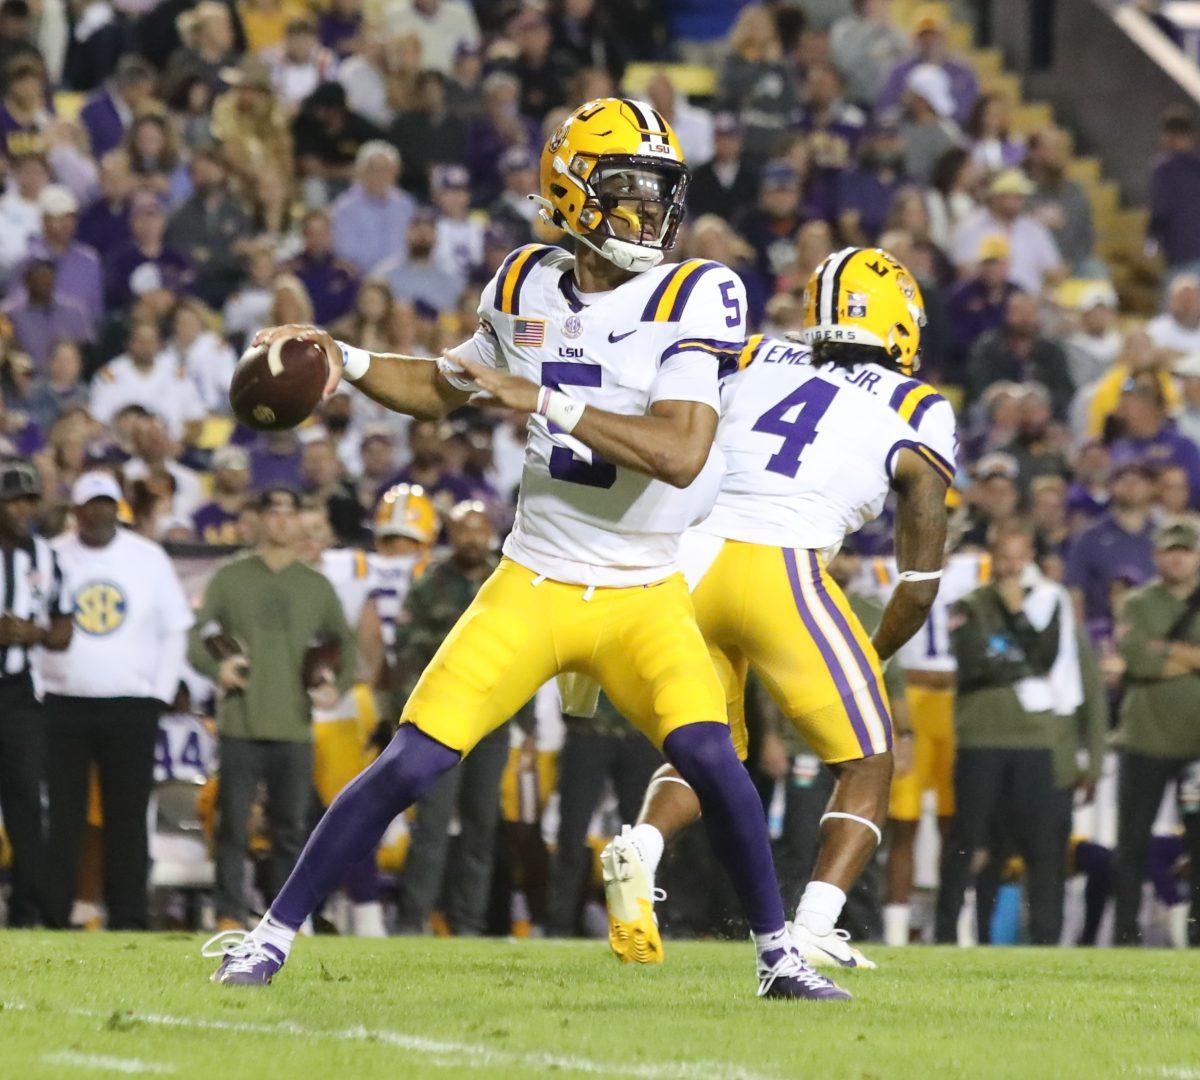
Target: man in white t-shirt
<point>1179,326</point>
<point>104,695</point>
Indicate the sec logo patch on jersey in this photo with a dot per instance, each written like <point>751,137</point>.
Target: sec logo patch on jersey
<point>100,608</point>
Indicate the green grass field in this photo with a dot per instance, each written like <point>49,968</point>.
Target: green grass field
<point>111,1005</point>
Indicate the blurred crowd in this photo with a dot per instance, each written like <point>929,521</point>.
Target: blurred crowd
<point>178,175</point>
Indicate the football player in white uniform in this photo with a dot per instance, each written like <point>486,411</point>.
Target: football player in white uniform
<point>815,435</point>
<point>929,667</point>
<point>613,354</point>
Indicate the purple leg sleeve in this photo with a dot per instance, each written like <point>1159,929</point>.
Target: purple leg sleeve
<point>733,817</point>
<point>362,880</point>
<point>357,818</point>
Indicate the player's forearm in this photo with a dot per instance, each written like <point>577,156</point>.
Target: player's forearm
<point>670,444</point>
<point>411,385</point>
<point>904,615</point>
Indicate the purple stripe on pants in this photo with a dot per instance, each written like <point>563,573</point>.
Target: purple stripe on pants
<point>827,654</point>
<point>859,656</point>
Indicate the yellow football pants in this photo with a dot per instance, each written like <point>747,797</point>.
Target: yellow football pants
<point>340,746</point>
<point>777,611</point>
<point>640,643</point>
<point>931,714</point>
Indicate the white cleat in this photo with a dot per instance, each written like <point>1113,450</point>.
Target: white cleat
<point>827,950</point>
<point>630,894</point>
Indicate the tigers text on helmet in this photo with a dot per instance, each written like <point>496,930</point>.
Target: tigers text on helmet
<point>613,176</point>
<point>864,296</point>
<point>405,510</point>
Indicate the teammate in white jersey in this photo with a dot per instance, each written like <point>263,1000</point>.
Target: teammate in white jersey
<point>613,354</point>
<point>929,666</point>
<point>814,435</point>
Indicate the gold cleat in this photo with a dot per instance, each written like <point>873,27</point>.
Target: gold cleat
<point>630,895</point>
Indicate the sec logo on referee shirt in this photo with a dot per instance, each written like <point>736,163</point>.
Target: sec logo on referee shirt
<point>99,608</point>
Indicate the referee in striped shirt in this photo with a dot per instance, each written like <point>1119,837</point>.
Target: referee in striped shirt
<point>35,612</point>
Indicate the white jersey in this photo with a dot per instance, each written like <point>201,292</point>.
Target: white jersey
<point>657,337</point>
<point>349,572</point>
<point>185,750</point>
<point>164,389</point>
<point>929,649</point>
<point>391,578</point>
<point>809,451</point>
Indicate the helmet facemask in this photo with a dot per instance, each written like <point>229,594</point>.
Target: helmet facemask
<point>632,208</point>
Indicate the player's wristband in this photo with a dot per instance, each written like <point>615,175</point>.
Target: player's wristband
<point>354,361</point>
<point>559,409</point>
<point>920,575</point>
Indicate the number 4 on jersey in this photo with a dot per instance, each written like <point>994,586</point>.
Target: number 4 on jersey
<point>812,399</point>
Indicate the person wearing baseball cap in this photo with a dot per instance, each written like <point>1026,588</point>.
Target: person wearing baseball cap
<point>1095,343</point>
<point>35,617</point>
<point>930,23</point>
<point>1034,258</point>
<point>271,606</point>
<point>978,303</point>
<point>1157,736</point>
<point>77,265</point>
<point>104,695</point>
<point>216,522</point>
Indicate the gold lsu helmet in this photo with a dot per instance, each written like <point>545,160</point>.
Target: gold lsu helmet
<point>405,510</point>
<point>864,296</point>
<point>614,159</point>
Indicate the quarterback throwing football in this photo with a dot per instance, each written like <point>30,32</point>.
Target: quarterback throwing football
<point>615,359</point>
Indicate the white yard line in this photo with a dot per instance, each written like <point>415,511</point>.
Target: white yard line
<point>105,1063</point>
<point>437,1052</point>
<point>1171,1072</point>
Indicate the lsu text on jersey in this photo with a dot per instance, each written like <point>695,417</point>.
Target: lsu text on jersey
<point>809,453</point>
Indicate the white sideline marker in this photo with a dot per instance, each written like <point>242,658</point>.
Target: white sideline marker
<point>439,1053</point>
<point>105,1063</point>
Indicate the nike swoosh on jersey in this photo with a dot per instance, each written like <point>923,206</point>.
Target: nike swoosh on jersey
<point>614,338</point>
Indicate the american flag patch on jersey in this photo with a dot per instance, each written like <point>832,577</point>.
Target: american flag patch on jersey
<point>529,331</point>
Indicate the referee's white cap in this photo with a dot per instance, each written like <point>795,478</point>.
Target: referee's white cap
<point>95,485</point>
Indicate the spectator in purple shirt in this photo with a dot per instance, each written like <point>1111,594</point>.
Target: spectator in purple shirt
<point>104,226</point>
<point>864,192</point>
<point>1087,497</point>
<point>332,284</point>
<point>501,126</point>
<point>24,112</point>
<point>78,276</point>
<point>109,110</point>
<point>339,27</point>
<point>1149,438</point>
<point>148,226</point>
<point>978,304</point>
<point>216,522</point>
<point>40,319</point>
<point>371,218</point>
<point>929,40</point>
<point>1118,548</point>
<point>60,389</point>
<point>1175,190</point>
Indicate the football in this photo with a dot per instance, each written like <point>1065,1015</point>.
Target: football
<point>278,387</point>
<point>321,664</point>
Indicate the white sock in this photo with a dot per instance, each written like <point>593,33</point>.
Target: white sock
<point>820,907</point>
<point>896,924</point>
<point>772,942</point>
<point>272,932</point>
<point>649,843</point>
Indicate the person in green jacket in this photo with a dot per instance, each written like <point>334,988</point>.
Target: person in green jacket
<point>1004,769</point>
<point>1158,637</point>
<point>260,614</point>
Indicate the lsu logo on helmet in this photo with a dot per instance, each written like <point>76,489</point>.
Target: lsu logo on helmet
<point>613,176</point>
<point>864,296</point>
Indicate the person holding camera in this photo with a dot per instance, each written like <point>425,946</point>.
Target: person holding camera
<point>1158,736</point>
<point>261,615</point>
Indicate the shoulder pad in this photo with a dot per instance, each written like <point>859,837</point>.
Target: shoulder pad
<point>511,276</point>
<point>670,296</point>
